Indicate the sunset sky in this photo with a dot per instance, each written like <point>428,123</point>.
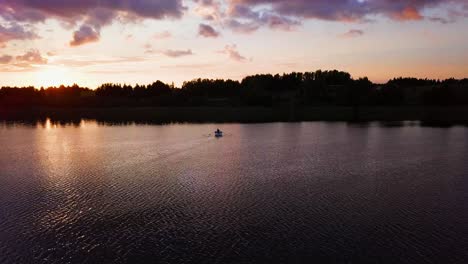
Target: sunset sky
<point>89,42</point>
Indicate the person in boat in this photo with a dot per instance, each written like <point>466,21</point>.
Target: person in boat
<point>218,131</point>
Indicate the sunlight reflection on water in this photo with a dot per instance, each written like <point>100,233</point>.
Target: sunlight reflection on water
<point>90,192</point>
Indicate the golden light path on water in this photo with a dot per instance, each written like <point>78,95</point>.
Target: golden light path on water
<point>79,189</point>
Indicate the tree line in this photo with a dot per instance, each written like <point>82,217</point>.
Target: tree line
<point>319,88</point>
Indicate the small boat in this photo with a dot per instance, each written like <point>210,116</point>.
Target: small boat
<point>218,133</point>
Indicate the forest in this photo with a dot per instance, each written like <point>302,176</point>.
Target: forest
<point>319,88</point>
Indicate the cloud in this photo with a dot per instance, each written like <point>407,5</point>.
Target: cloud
<point>353,33</point>
<point>406,14</point>
<point>31,57</point>
<point>177,53</point>
<point>163,35</point>
<point>91,15</point>
<point>210,10</point>
<point>339,10</point>
<point>85,34</point>
<point>256,19</point>
<point>22,63</point>
<point>169,53</point>
<point>243,18</point>
<point>231,51</point>
<point>441,20</point>
<point>149,48</point>
<point>14,32</point>
<point>242,27</point>
<point>88,17</point>
<point>35,11</point>
<point>248,15</point>
<point>279,22</point>
<point>5,59</point>
<point>207,31</point>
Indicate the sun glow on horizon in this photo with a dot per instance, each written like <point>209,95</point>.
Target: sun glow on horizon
<point>54,76</point>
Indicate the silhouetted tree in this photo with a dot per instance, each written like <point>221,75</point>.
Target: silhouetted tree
<point>291,89</point>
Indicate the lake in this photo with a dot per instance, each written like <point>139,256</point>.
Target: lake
<point>90,192</point>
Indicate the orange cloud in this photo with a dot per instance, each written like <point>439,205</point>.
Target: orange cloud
<point>408,13</point>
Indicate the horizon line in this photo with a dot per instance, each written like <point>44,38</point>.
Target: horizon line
<point>172,83</point>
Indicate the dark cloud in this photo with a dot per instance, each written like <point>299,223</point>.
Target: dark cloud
<point>177,53</point>
<point>207,31</point>
<point>34,10</point>
<point>91,14</point>
<point>242,27</point>
<point>347,10</point>
<point>14,32</point>
<point>256,19</point>
<point>88,17</point>
<point>249,15</point>
<point>205,2</point>
<point>442,20</point>
<point>85,34</point>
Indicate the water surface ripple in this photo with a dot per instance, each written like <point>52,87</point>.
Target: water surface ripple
<point>288,193</point>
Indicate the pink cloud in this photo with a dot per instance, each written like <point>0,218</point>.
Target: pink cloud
<point>231,51</point>
<point>21,63</point>
<point>5,59</point>
<point>31,57</point>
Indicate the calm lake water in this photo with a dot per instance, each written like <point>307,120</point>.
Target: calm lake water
<point>289,193</point>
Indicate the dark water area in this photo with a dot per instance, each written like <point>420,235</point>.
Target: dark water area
<point>438,116</point>
<point>88,192</point>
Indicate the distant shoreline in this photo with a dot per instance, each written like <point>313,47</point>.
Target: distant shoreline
<point>432,114</point>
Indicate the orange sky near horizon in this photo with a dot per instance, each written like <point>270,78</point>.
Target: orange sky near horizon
<point>90,43</point>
